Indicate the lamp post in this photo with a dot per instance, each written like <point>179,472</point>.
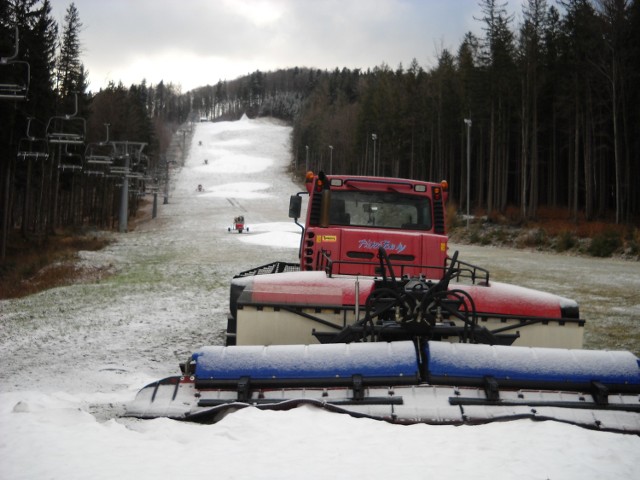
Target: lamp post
<point>467,122</point>
<point>330,159</point>
<point>166,183</point>
<point>184,133</point>
<point>374,138</point>
<point>124,196</point>
<point>306,165</point>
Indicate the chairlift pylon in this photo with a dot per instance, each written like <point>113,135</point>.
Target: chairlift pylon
<point>15,75</point>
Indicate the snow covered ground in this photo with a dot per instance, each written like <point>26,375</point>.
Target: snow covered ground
<point>72,357</point>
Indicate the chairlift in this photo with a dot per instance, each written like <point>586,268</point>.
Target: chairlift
<point>97,159</point>
<point>93,173</point>
<point>98,154</point>
<point>128,158</point>
<point>118,171</point>
<point>139,170</point>
<point>101,153</point>
<point>70,160</point>
<point>132,150</point>
<point>67,129</point>
<point>32,148</point>
<point>15,75</point>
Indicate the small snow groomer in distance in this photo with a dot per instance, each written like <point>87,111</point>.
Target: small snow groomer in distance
<point>238,224</point>
<point>378,320</point>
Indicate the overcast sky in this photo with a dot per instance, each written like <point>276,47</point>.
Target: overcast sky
<point>199,42</point>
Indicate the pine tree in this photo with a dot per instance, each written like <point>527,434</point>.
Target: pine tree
<point>71,76</point>
<point>498,60</point>
<point>531,35</point>
<point>40,48</point>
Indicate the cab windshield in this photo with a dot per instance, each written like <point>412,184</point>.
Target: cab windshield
<point>380,210</point>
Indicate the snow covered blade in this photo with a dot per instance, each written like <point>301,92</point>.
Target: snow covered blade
<point>403,382</point>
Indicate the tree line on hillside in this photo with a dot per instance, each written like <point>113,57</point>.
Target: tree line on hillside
<point>552,103</point>
<point>51,125</point>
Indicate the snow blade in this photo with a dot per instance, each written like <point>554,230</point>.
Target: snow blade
<point>447,384</point>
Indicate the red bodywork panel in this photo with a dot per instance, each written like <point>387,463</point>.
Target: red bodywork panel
<point>305,289</point>
<point>505,299</point>
<point>407,251</point>
<point>316,289</point>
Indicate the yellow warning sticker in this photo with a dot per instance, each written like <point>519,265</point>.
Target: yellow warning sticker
<point>327,238</point>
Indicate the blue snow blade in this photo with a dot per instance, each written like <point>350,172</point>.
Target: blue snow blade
<point>529,367</point>
<point>397,363</point>
<point>326,364</point>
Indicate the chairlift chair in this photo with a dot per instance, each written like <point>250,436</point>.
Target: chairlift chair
<point>32,148</point>
<point>70,160</point>
<point>15,75</point>
<point>14,79</point>
<point>118,171</point>
<point>132,149</point>
<point>127,158</point>
<point>139,169</point>
<point>93,173</point>
<point>99,155</point>
<point>67,129</point>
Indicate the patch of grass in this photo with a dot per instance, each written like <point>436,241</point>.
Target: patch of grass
<point>475,235</point>
<point>501,235</point>
<point>565,240</point>
<point>605,244</point>
<point>533,237</point>
<point>452,218</point>
<point>632,241</point>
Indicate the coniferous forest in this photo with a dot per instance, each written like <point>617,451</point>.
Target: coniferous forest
<point>539,112</point>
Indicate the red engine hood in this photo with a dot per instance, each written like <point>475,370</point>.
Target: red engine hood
<point>305,289</point>
<point>317,289</point>
<point>505,299</point>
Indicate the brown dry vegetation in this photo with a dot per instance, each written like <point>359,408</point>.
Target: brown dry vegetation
<point>34,265</point>
<point>39,264</point>
<point>552,230</point>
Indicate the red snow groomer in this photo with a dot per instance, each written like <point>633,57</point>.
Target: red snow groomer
<point>378,321</point>
<point>374,265</point>
<point>238,224</point>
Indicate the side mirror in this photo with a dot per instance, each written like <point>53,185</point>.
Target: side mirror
<point>295,206</point>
